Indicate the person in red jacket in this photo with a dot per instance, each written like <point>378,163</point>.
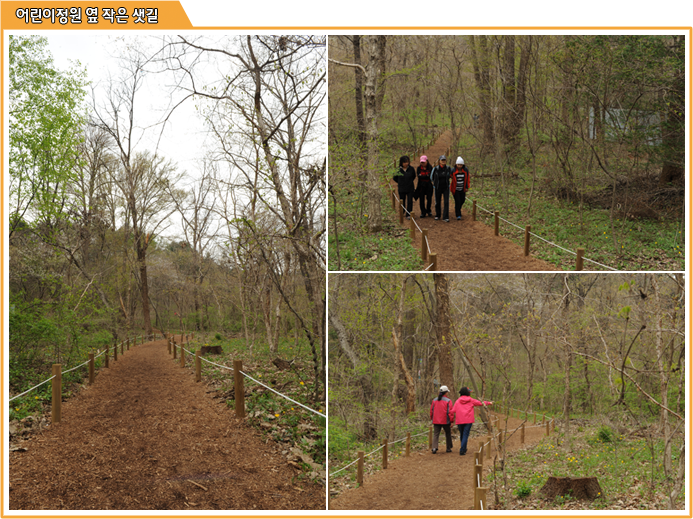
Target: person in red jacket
<point>442,417</point>
<point>463,411</point>
<point>459,185</point>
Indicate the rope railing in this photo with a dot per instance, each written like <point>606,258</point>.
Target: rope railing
<point>545,240</point>
<point>260,383</point>
<point>95,356</point>
<point>376,450</point>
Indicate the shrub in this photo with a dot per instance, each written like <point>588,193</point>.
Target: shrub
<point>524,489</point>
<point>605,434</point>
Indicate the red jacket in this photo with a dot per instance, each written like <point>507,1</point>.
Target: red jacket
<point>453,185</point>
<point>441,411</point>
<point>463,409</point>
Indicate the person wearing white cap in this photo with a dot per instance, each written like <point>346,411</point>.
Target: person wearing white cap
<point>459,185</point>
<point>442,417</point>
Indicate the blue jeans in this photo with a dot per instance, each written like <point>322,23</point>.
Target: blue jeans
<point>465,429</point>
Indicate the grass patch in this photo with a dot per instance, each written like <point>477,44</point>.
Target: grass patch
<point>629,471</point>
<point>625,245</point>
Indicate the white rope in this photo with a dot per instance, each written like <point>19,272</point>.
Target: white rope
<point>429,266</point>
<point>72,369</point>
<point>263,385</point>
<point>428,246</point>
<point>481,504</point>
<point>30,390</point>
<point>290,399</point>
<point>478,480</point>
<point>550,242</point>
<point>97,356</point>
<point>343,468</point>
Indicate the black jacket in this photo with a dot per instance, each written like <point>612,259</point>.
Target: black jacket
<point>441,177</point>
<point>405,180</point>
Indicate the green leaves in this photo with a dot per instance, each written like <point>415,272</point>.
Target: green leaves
<point>46,121</point>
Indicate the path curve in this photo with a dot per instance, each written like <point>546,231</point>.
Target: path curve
<point>467,245</point>
<point>426,481</point>
<point>146,436</point>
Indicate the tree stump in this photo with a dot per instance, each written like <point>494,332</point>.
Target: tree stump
<point>216,350</point>
<point>578,488</point>
<point>282,364</point>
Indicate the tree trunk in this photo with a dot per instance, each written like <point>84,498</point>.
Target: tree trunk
<point>397,341</point>
<point>443,330</point>
<point>358,92</point>
<point>373,184</point>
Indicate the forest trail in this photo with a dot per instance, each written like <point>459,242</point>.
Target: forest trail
<point>465,244</point>
<point>425,481</point>
<point>146,436</point>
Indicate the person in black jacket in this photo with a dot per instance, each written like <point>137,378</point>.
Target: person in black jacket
<point>424,187</point>
<point>441,183</point>
<point>405,183</point>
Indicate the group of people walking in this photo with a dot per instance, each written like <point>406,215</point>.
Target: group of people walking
<point>441,180</point>
<point>444,413</point>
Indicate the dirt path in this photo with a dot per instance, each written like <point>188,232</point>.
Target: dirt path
<point>425,481</point>
<point>463,245</point>
<point>145,436</point>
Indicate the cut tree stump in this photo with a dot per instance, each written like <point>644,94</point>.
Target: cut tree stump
<point>282,364</point>
<point>578,488</point>
<point>216,350</point>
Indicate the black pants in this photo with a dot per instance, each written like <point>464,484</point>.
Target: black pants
<point>448,435</point>
<point>425,198</point>
<point>459,200</point>
<point>445,194</point>
<point>407,200</point>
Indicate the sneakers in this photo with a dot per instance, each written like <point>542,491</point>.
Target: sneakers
<point>449,450</point>
<point>447,220</point>
<point>436,218</point>
<point>459,217</point>
<point>423,216</point>
<point>408,217</point>
<point>463,453</point>
<point>434,451</point>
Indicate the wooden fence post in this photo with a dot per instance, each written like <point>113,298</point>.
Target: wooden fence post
<point>198,366</point>
<point>474,211</point>
<point>481,452</point>
<point>385,453</point>
<point>490,444</point>
<point>182,356</point>
<point>393,199</point>
<point>128,344</point>
<point>535,418</point>
<point>578,260</point>
<point>359,469</point>
<point>239,390</point>
<point>434,261</point>
<point>407,447</point>
<point>122,348</point>
<point>430,436</point>
<point>168,342</point>
<point>478,475</point>
<point>115,353</point>
<point>496,224</point>
<point>522,434</point>
<point>175,354</point>
<point>106,359</point>
<point>528,229</point>
<point>480,498</point>
<point>56,395</point>
<point>91,368</point>
<point>424,249</point>
<point>412,228</point>
<point>547,428</point>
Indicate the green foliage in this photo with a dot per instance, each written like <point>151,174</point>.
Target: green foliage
<point>46,122</point>
<point>523,489</point>
<point>605,434</point>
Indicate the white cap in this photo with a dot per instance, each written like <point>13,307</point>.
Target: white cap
<point>460,160</point>
<point>444,389</point>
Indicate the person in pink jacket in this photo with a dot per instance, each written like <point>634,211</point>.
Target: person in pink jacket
<point>463,411</point>
<point>442,417</point>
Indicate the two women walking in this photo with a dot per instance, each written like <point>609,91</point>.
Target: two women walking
<point>444,413</point>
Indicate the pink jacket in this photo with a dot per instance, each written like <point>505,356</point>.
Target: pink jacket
<point>463,409</point>
<point>441,411</point>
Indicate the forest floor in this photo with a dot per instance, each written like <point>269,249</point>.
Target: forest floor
<point>146,436</point>
<point>464,245</point>
<point>425,481</point>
